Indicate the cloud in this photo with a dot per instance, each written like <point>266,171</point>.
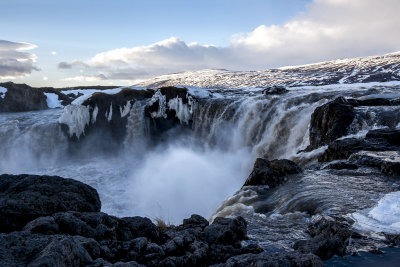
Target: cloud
<point>329,29</point>
<point>15,63</point>
<point>64,65</point>
<point>86,78</point>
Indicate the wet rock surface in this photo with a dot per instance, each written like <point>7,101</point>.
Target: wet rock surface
<point>271,173</point>
<point>330,121</point>
<point>275,90</point>
<point>329,237</point>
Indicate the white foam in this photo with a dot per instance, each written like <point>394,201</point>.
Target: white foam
<point>53,101</point>
<point>3,92</point>
<point>384,217</point>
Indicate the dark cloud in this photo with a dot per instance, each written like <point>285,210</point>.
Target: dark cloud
<point>13,62</point>
<point>64,65</point>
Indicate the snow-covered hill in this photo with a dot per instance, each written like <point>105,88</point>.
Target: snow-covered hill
<point>353,70</point>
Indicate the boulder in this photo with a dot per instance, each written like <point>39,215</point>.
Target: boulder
<point>26,249</point>
<point>329,237</point>
<point>341,165</point>
<point>226,231</point>
<point>387,161</point>
<point>27,197</point>
<point>271,173</point>
<point>344,148</point>
<point>276,259</point>
<point>275,90</point>
<point>390,135</point>
<point>132,227</point>
<point>330,121</point>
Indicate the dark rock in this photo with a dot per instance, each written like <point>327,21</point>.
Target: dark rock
<point>277,259</point>
<point>376,251</point>
<point>367,102</point>
<point>275,90</point>
<point>329,237</point>
<point>342,165</point>
<point>21,97</point>
<point>95,225</point>
<point>26,197</point>
<point>393,239</point>
<point>388,161</point>
<point>132,227</point>
<point>43,225</point>
<point>330,121</point>
<point>390,135</point>
<point>344,148</point>
<point>194,221</point>
<point>65,252</point>
<point>226,231</point>
<point>26,249</point>
<point>271,173</point>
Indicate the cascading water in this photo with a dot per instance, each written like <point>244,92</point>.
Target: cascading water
<point>195,171</point>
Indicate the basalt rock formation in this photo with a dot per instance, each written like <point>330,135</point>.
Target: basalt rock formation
<point>51,221</point>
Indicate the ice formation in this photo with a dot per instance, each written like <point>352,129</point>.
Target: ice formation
<point>125,109</point>
<point>76,117</point>
<point>3,92</point>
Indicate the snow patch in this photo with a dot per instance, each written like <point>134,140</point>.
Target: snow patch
<point>3,92</point>
<point>76,117</point>
<point>384,217</point>
<point>53,101</point>
<point>87,93</point>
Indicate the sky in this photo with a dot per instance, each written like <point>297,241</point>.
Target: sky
<point>70,43</point>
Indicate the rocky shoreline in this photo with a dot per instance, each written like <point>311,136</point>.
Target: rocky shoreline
<point>52,221</point>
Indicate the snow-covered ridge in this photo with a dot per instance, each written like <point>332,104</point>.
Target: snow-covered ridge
<point>342,71</point>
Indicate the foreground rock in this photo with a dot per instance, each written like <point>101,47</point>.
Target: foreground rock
<point>330,121</point>
<point>329,237</point>
<point>27,197</point>
<point>271,173</point>
<point>62,226</point>
<point>278,259</point>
